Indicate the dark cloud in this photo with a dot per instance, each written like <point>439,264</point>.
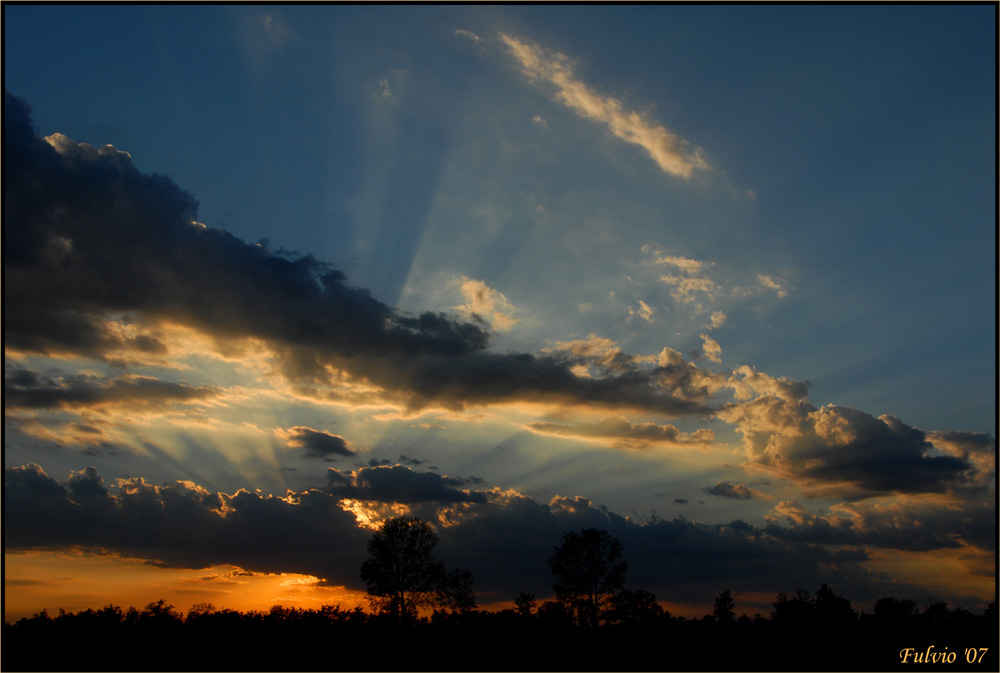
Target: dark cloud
<point>843,450</point>
<point>27,389</point>
<point>621,431</point>
<point>503,537</point>
<point>182,524</point>
<point>87,237</point>
<point>976,448</point>
<point>918,525</point>
<point>681,501</point>
<point>318,444</point>
<point>727,489</point>
<point>399,484</point>
<point>507,541</point>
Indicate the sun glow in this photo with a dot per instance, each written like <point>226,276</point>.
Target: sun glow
<point>75,580</point>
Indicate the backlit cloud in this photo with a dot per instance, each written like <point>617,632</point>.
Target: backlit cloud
<point>727,489</point>
<point>504,535</point>
<point>839,450</point>
<point>623,433</point>
<point>483,301</point>
<point>779,285</point>
<point>717,319</point>
<point>312,321</point>
<point>28,389</point>
<point>687,289</point>
<point>399,484</point>
<point>710,348</point>
<point>672,153</point>
<point>912,524</point>
<point>318,444</point>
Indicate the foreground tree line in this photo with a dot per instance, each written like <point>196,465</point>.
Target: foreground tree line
<point>425,617</point>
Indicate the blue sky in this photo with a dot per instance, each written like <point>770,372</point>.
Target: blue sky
<point>728,240</point>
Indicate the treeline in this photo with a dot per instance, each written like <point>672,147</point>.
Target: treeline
<point>425,617</point>
<point>804,632</point>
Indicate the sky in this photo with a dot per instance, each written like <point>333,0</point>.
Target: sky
<point>720,280</point>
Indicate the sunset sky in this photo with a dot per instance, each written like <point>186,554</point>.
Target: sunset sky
<point>720,280</point>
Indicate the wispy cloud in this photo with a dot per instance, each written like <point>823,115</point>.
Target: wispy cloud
<point>672,153</point>
<point>779,285</point>
<point>264,34</point>
<point>469,35</point>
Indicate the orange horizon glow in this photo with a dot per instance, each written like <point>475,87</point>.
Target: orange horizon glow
<point>75,581</point>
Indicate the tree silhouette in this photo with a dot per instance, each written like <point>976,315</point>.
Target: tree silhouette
<point>631,606</point>
<point>833,611</point>
<point>793,611</point>
<point>589,568</point>
<point>723,611</point>
<point>401,572</point>
<point>455,592</point>
<point>524,604</point>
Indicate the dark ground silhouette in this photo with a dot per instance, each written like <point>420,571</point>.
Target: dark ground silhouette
<point>804,633</point>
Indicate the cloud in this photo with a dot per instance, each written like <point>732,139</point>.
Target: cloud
<point>503,537</point>
<point>672,153</point>
<point>318,444</point>
<point>910,524</point>
<point>88,237</point>
<point>717,319</point>
<point>685,288</point>
<point>678,560</point>
<point>685,264</point>
<point>28,389</point>
<point>976,448</point>
<point>265,34</point>
<point>727,489</point>
<point>645,311</point>
<point>779,285</point>
<point>469,35</point>
<point>483,301</point>
<point>182,524</point>
<point>710,348</point>
<point>633,435</point>
<point>837,450</point>
<point>398,484</point>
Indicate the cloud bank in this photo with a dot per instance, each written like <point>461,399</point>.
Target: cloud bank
<point>504,536</point>
<point>89,239</point>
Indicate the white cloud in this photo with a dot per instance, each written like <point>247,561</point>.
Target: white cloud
<point>672,153</point>
<point>487,303</point>
<point>711,349</point>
